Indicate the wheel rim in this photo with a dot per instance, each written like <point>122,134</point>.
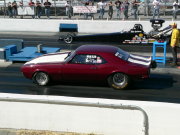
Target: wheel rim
<point>41,78</point>
<point>68,39</point>
<point>119,79</point>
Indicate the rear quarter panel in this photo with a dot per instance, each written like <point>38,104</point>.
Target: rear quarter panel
<point>133,70</point>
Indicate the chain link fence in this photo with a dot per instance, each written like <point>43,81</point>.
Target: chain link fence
<point>58,9</point>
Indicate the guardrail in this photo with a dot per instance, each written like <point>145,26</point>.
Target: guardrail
<point>85,104</point>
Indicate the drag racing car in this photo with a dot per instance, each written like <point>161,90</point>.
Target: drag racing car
<point>89,63</point>
<point>72,35</point>
<point>136,35</point>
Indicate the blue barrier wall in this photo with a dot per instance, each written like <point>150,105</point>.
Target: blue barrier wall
<point>2,54</point>
<point>5,42</point>
<point>18,42</point>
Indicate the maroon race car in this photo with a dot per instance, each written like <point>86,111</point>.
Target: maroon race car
<point>89,63</point>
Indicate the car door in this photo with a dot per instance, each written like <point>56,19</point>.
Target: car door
<point>83,67</point>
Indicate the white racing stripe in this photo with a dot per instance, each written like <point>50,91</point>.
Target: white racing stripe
<point>141,57</point>
<point>139,62</point>
<point>48,59</point>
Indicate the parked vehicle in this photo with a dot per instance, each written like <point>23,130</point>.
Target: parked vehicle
<point>89,63</point>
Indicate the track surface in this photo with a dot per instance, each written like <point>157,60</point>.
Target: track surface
<point>161,87</point>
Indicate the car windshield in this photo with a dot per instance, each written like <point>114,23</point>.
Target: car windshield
<point>122,54</point>
<point>69,56</point>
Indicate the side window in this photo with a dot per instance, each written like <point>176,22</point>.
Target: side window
<point>79,59</point>
<point>88,59</point>
<point>94,59</point>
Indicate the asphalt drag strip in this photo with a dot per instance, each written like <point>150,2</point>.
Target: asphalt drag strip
<point>162,86</point>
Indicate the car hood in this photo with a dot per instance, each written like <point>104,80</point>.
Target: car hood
<point>142,60</point>
<point>49,58</point>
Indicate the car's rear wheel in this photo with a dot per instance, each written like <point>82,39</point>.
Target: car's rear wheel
<point>68,39</point>
<point>41,78</point>
<point>119,81</point>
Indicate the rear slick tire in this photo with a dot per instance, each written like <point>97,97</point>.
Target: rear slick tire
<point>41,78</point>
<point>119,81</point>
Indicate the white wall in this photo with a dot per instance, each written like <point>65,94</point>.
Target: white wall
<point>87,26</point>
<point>163,117</point>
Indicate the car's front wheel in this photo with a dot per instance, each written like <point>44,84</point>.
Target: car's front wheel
<point>41,78</point>
<point>119,81</point>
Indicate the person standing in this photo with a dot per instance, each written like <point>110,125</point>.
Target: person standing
<point>101,5</point>
<point>91,3</point>
<point>122,9</point>
<point>10,13</point>
<point>135,5</point>
<point>32,5</point>
<point>68,9</point>
<point>21,9</point>
<point>38,9</point>
<point>175,9</point>
<point>126,8</point>
<point>110,11</point>
<point>118,8</point>
<point>86,3</point>
<point>47,6</point>
<point>156,4</point>
<point>14,9</point>
<point>174,42</point>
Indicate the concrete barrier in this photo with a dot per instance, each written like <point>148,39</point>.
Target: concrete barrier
<point>85,26</point>
<point>56,114</point>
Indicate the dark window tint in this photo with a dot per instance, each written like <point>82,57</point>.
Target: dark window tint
<point>80,59</point>
<point>122,54</point>
<point>88,59</point>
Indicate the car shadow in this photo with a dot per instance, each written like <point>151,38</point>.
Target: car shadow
<point>156,81</point>
<point>80,84</point>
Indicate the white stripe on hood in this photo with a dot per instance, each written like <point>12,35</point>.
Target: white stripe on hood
<point>48,58</point>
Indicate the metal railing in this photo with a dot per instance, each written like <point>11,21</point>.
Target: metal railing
<point>145,9</point>
<point>86,104</point>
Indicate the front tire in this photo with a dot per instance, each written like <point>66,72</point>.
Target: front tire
<point>41,78</point>
<point>119,81</point>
